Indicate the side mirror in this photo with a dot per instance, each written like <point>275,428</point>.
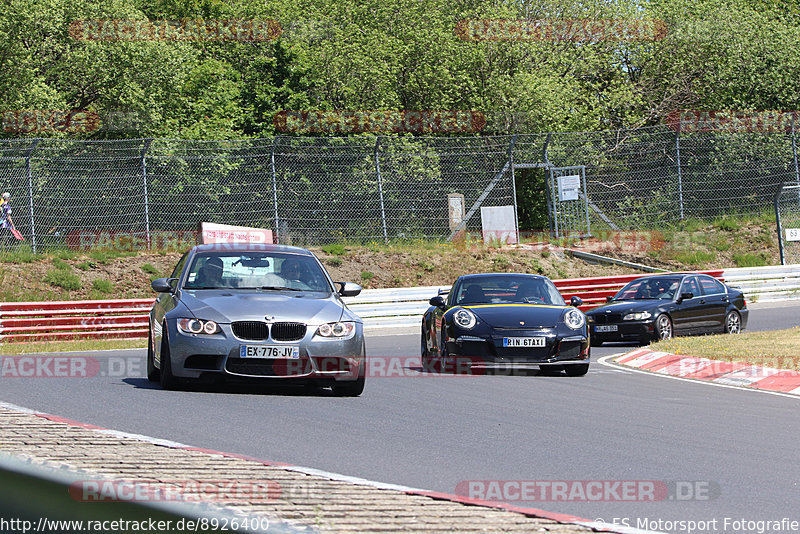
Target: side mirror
<point>349,289</point>
<point>163,285</point>
<point>610,298</point>
<point>685,296</point>
<point>575,301</point>
<point>437,301</point>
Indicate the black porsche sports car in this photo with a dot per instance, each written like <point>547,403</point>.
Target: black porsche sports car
<point>661,306</point>
<point>505,322</point>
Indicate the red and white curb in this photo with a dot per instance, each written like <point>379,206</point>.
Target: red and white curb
<point>531,512</point>
<point>715,371</point>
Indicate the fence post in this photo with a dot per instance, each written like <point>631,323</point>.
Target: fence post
<point>778,221</point>
<point>794,151</point>
<point>380,187</point>
<point>514,184</point>
<point>30,191</point>
<point>680,175</point>
<point>274,187</point>
<point>146,146</point>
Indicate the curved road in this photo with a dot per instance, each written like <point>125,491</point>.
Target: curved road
<point>735,448</point>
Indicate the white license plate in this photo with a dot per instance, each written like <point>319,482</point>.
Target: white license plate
<point>524,341</point>
<point>269,351</point>
<point>605,328</point>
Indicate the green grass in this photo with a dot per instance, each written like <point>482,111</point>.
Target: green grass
<point>21,254</point>
<point>149,269</point>
<point>64,253</point>
<point>105,256</point>
<point>63,279</point>
<point>367,276</point>
<point>756,348</point>
<point>69,346</point>
<point>86,265</point>
<point>727,224</point>
<point>500,263</point>
<point>103,286</point>
<point>61,264</point>
<point>334,249</point>
<point>695,257</point>
<point>333,262</point>
<point>747,259</point>
<point>425,266</point>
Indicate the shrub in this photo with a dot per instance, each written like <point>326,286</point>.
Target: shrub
<point>334,249</point>
<point>103,286</point>
<point>149,269</point>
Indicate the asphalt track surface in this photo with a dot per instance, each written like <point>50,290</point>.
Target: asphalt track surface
<point>721,453</point>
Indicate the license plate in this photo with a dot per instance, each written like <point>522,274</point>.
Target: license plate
<point>524,341</point>
<point>286,352</point>
<point>605,328</point>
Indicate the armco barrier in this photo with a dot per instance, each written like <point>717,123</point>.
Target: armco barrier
<point>380,308</point>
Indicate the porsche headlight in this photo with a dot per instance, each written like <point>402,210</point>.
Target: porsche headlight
<point>339,329</point>
<point>465,318</point>
<point>574,318</point>
<point>637,316</point>
<point>198,326</point>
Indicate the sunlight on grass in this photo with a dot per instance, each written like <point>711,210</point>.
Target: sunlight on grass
<point>69,346</point>
<point>777,348</point>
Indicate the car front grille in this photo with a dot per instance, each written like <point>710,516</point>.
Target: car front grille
<point>268,367</point>
<point>253,330</point>
<point>288,331</point>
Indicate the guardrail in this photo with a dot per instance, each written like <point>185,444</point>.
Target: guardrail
<point>380,308</point>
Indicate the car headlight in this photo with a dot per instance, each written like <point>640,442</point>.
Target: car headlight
<point>637,316</point>
<point>198,326</point>
<point>339,329</point>
<point>574,318</point>
<point>465,319</point>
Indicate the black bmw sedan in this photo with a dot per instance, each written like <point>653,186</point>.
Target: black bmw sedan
<point>661,306</point>
<point>505,322</point>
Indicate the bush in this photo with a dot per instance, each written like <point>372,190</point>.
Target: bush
<point>149,269</point>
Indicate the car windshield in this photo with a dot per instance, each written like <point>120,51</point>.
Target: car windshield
<point>269,271</point>
<point>506,289</point>
<point>657,287</point>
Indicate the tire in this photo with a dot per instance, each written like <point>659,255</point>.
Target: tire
<point>733,322</point>
<point>663,327</point>
<point>577,369</point>
<point>424,354</point>
<point>168,380</point>
<point>353,388</point>
<point>153,374</point>
<point>442,367</point>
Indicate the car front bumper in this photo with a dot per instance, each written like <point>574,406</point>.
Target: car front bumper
<point>489,352</point>
<point>196,355</point>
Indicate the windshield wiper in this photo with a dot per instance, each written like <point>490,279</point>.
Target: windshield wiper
<point>282,288</point>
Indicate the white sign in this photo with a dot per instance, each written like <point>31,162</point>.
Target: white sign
<point>569,187</point>
<point>793,234</point>
<point>499,224</point>
<point>225,233</point>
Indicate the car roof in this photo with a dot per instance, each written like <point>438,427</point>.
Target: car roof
<point>487,275</point>
<point>250,247</point>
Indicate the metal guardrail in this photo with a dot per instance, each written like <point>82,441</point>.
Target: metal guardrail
<point>380,308</point>
<point>36,498</point>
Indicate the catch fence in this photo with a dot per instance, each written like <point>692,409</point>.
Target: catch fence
<point>141,193</point>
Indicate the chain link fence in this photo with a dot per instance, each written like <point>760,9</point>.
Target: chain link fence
<point>316,190</point>
<point>787,213</point>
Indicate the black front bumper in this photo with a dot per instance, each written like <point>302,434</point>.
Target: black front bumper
<point>490,351</point>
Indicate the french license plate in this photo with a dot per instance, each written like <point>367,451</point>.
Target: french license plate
<point>605,328</point>
<point>524,341</point>
<point>286,352</point>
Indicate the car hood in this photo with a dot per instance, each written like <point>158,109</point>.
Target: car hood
<point>511,315</point>
<point>628,306</point>
<point>225,306</point>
